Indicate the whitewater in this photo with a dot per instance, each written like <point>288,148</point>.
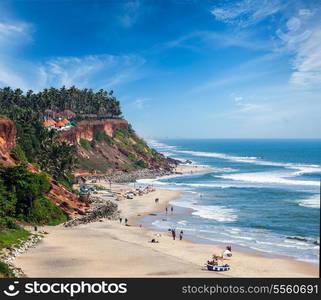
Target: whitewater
<point>260,194</point>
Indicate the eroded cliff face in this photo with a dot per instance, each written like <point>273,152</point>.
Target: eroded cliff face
<point>66,200</point>
<point>58,194</point>
<point>86,129</point>
<point>119,149</point>
<point>7,141</point>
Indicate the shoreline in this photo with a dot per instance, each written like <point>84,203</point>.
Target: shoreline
<point>110,249</point>
<point>241,248</point>
<point>188,169</point>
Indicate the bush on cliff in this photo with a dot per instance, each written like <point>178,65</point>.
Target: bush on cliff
<point>85,144</point>
<point>101,136</point>
<point>22,197</point>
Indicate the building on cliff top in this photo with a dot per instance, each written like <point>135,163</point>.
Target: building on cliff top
<point>61,125</point>
<point>50,124</point>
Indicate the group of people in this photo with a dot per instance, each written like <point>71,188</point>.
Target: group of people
<point>215,257</point>
<point>173,232</point>
<point>126,221</point>
<point>171,208</point>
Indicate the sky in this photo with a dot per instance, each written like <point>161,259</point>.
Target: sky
<point>181,69</point>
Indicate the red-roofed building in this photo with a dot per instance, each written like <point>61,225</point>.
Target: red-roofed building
<point>50,124</point>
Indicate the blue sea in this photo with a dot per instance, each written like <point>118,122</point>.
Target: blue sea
<point>261,195</point>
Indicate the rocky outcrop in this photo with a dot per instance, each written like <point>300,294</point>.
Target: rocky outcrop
<point>86,129</point>
<point>106,209</point>
<point>7,141</point>
<point>122,177</point>
<point>8,255</point>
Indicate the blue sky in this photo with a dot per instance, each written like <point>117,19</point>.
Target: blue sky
<point>208,69</point>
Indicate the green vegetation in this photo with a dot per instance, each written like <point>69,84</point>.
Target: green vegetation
<point>85,144</point>
<point>57,158</point>
<point>99,187</point>
<point>95,164</point>
<point>8,238</point>
<point>128,140</point>
<point>141,164</point>
<point>5,271</point>
<point>11,237</point>
<point>101,136</point>
<point>22,197</point>
<point>22,193</point>
<point>38,145</point>
<point>82,102</point>
<point>18,154</point>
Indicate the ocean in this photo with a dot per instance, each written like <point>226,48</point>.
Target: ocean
<point>261,195</point>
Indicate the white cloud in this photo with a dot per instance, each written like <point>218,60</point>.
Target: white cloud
<point>247,12</point>
<point>131,13</point>
<point>307,63</point>
<point>248,107</point>
<point>96,71</point>
<point>293,24</point>
<point>140,103</point>
<point>13,34</point>
<point>305,12</point>
<point>302,39</point>
<point>252,108</point>
<point>297,33</point>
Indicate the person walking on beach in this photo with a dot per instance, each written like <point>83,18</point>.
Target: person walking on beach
<point>181,235</point>
<point>126,220</point>
<point>173,234</point>
<point>172,209</point>
<point>166,210</point>
<point>120,220</point>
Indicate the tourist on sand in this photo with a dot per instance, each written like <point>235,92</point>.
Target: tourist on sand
<point>173,234</point>
<point>126,220</point>
<point>120,220</point>
<point>172,209</point>
<point>181,235</point>
<point>227,252</point>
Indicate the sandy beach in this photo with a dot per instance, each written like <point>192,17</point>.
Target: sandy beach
<point>111,249</point>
